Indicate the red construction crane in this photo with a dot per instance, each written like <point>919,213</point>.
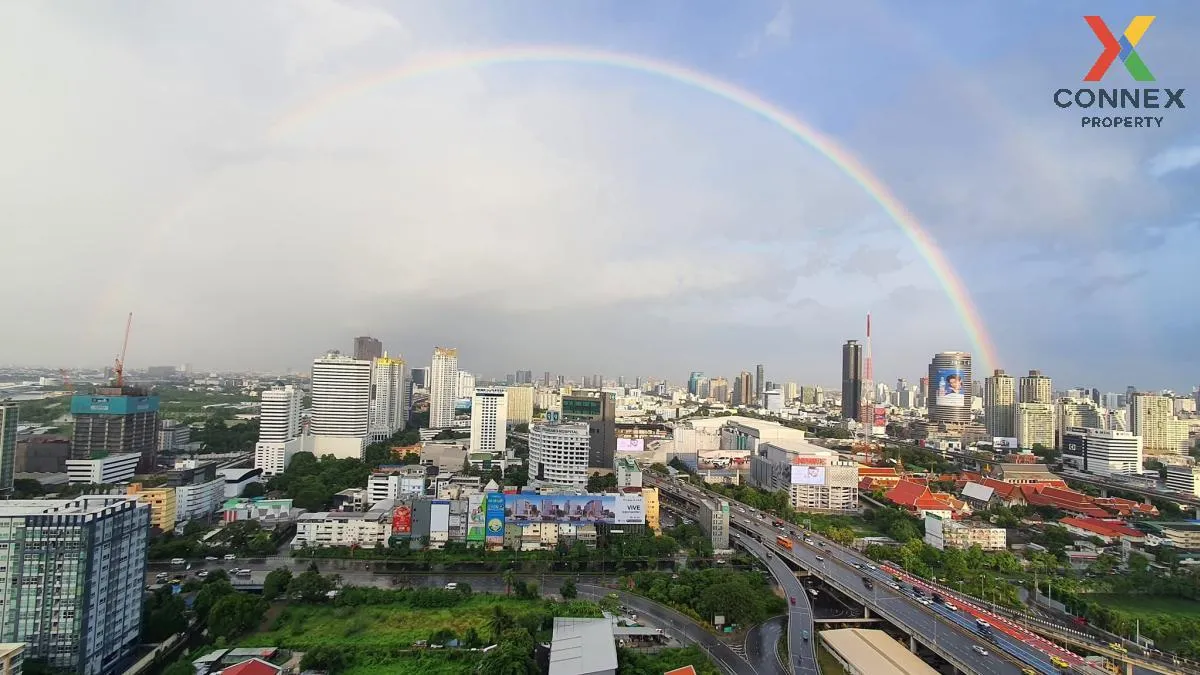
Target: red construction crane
<point>119,366</point>
<point>66,378</point>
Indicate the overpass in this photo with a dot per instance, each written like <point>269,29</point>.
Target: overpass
<point>1029,643</point>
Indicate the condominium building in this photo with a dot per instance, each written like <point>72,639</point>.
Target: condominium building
<point>341,398</point>
<point>489,420</point>
<point>1036,388</point>
<point>1102,451</point>
<point>279,429</point>
<point>8,446</point>
<point>943,533</point>
<point>1074,412</point>
<point>466,385</point>
<point>443,387</point>
<point>950,388</point>
<point>1035,425</point>
<point>199,490</point>
<point>161,502</point>
<point>999,404</point>
<point>345,528</point>
<point>388,412</point>
<point>558,454</point>
<point>520,404</point>
<point>173,435</point>
<point>77,604</point>
<point>852,382</point>
<point>712,515</point>
<point>1152,417</point>
<point>12,658</point>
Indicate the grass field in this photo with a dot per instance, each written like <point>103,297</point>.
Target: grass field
<point>1148,604</point>
<point>421,665</point>
<point>828,664</point>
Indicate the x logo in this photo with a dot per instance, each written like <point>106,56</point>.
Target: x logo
<point>1123,47</point>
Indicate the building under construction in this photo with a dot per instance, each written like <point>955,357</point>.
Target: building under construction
<point>116,420</point>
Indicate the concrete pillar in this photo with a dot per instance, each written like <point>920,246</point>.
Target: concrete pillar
<point>1104,492</point>
<point>912,644</point>
<point>1129,668</point>
<point>866,612</point>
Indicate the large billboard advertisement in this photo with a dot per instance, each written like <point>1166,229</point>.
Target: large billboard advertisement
<point>951,388</point>
<point>631,510</point>
<point>1004,443</point>
<point>576,509</point>
<point>402,520</point>
<point>439,518</point>
<point>630,445</point>
<point>476,518</point>
<point>880,416</point>
<point>494,518</point>
<point>810,474</point>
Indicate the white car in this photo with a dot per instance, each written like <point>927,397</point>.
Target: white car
<point>230,556</point>
<point>895,586</point>
<point>980,650</point>
<point>951,606</point>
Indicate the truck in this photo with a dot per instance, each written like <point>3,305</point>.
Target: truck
<point>784,542</point>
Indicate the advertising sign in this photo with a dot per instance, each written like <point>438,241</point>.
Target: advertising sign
<point>630,510</point>
<point>951,388</point>
<point>814,461</point>
<point>476,517</point>
<point>552,416</point>
<point>631,444</point>
<point>808,475</point>
<point>1004,443</point>
<point>439,517</point>
<point>402,520</point>
<point>880,416</point>
<point>494,518</point>
<point>575,509</point>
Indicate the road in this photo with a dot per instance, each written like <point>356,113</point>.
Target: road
<point>762,641</point>
<point>801,635</point>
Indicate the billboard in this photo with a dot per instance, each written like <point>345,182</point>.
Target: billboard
<point>630,445</point>
<point>631,510</point>
<point>951,388</point>
<point>494,518</point>
<point>810,474</point>
<point>402,520</point>
<point>574,509</point>
<point>439,518</point>
<point>880,416</point>
<point>1004,443</point>
<point>476,517</point>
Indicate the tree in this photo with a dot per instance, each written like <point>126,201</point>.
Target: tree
<point>509,581</point>
<point>276,583</point>
<point>162,616</point>
<point>498,622</point>
<point>208,596</point>
<point>235,614</point>
<point>512,656</point>
<point>329,659</point>
<point>310,587</point>
<point>253,490</point>
<point>180,668</point>
<point>568,590</point>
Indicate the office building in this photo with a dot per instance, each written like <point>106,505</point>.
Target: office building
<point>558,454</point>
<point>1035,425</point>
<point>199,490</point>
<point>1152,417</point>
<point>772,400</point>
<point>466,385</point>
<point>116,420</point>
<point>950,388</point>
<point>173,436</point>
<point>718,390</point>
<point>851,380</point>
<point>598,409</point>
<point>8,446</point>
<point>76,604</point>
<point>367,348</point>
<point>420,377</point>
<point>813,477</point>
<point>629,474</point>
<point>759,384</point>
<point>341,402</point>
<point>279,414</point>
<point>520,404</point>
<point>489,421</point>
<point>1000,405</point>
<point>1185,479</point>
<point>443,385</point>
<point>712,515</point>
<point>743,389</point>
<point>524,377</point>
<point>115,469</point>
<point>388,412</point>
<point>12,658</point>
<point>394,484</point>
<point>694,382</point>
<point>1102,451</point>
<point>1036,388</point>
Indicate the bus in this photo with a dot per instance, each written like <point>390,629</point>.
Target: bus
<point>784,542</point>
<point>983,626</point>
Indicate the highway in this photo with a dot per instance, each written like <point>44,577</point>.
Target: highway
<point>762,646</point>
<point>801,633</point>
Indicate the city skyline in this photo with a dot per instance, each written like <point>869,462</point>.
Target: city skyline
<point>752,246</point>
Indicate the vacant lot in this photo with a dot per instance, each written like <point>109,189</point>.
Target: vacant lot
<point>1145,605</point>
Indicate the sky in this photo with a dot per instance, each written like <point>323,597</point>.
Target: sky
<point>250,183</point>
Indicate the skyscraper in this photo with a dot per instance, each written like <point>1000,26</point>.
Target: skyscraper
<point>950,388</point>
<point>341,403</point>
<point>999,404</point>
<point>466,385</point>
<point>694,382</point>
<point>851,380</point>
<point>489,420</point>
<point>116,420</point>
<point>443,385</point>
<point>8,446</point>
<point>742,389</point>
<point>598,409</point>
<point>389,406</point>
<point>1035,388</point>
<point>279,429</point>
<point>367,348</point>
<point>760,384</point>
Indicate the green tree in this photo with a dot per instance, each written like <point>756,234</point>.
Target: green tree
<point>310,587</point>
<point>162,616</point>
<point>235,614</point>
<point>276,583</point>
<point>509,581</point>
<point>179,668</point>
<point>207,597</point>
<point>513,655</point>
<point>498,622</point>
<point>568,590</point>
<point>254,490</point>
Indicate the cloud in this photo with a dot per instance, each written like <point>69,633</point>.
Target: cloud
<point>777,31</point>
<point>1180,158</point>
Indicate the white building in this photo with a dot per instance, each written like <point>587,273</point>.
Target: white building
<point>389,405</point>
<point>773,400</point>
<point>1102,451</point>
<point>815,478</point>
<point>172,435</point>
<point>1034,421</point>
<point>77,605</point>
<point>520,404</point>
<point>345,528</point>
<point>237,480</point>
<point>489,420</point>
<point>1185,479</point>
<point>943,533</point>
<point>341,401</point>
<point>558,454</point>
<point>392,486</point>
<point>443,387</point>
<point>1152,417</point>
<point>629,474</point>
<point>466,384</point>
<point>278,429</point>
<point>110,470</point>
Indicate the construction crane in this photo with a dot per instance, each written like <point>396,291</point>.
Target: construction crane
<point>66,378</point>
<point>119,365</point>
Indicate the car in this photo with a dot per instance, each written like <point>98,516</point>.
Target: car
<point>161,576</point>
<point>178,561</point>
<point>230,556</point>
<point>1028,671</point>
<point>1059,662</point>
<point>951,606</point>
<point>820,559</point>
<point>1118,647</point>
<point>804,635</point>
<point>202,573</point>
<point>211,558</point>
<point>793,600</point>
<point>980,650</point>
<point>868,583</point>
<point>857,566</point>
<point>895,586</point>
<point>870,566</point>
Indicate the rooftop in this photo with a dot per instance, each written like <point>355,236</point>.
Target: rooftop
<point>582,646</point>
<point>86,504</point>
<point>874,651</point>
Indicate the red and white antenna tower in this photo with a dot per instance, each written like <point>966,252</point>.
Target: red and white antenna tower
<point>867,407</point>
<point>869,374</point>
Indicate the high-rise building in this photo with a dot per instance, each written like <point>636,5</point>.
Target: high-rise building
<point>1102,451</point>
<point>116,421</point>
<point>694,382</point>
<point>420,377</point>
<point>466,385</point>
<point>524,377</point>
<point>520,404</point>
<point>1034,424</point>
<point>341,405</point>
<point>279,429</point>
<point>1079,412</point>
<point>598,409</point>
<point>367,348</point>
<point>72,579</point>
<point>8,446</point>
<point>743,389</point>
<point>1036,388</point>
<point>790,392</point>
<point>718,389</point>
<point>443,385</point>
<point>950,388</point>
<point>851,380</point>
<point>558,454</point>
<point>489,420</point>
<point>999,404</point>
<point>546,379</point>
<point>389,405</point>
<point>760,384</point>
<point>1152,416</point>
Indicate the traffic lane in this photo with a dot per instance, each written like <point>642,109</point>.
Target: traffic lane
<point>800,618</point>
<point>761,645</point>
<point>924,623</point>
<point>680,625</point>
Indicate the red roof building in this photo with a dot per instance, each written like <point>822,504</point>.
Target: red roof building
<point>918,499</point>
<point>1108,530</point>
<point>253,667</point>
<point>1062,499</point>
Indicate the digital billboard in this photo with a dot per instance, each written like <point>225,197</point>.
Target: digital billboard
<point>810,474</point>
<point>1004,443</point>
<point>880,416</point>
<point>631,510</point>
<point>631,444</point>
<point>494,518</point>
<point>402,520</point>
<point>951,388</point>
<point>439,517</point>
<point>577,509</point>
<point>476,517</point>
